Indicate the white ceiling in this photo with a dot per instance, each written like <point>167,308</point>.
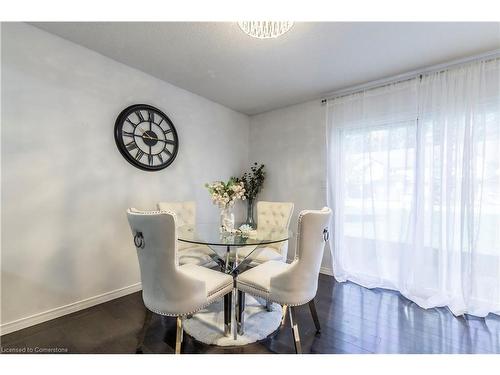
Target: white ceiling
<point>219,62</point>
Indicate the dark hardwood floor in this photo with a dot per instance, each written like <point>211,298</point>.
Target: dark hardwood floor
<point>354,320</point>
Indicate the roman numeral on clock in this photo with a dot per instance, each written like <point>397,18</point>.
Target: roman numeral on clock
<point>139,154</point>
<point>128,134</point>
<point>151,117</point>
<point>139,116</point>
<point>131,146</point>
<point>131,123</point>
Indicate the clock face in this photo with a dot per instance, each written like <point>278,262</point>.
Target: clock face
<point>146,137</point>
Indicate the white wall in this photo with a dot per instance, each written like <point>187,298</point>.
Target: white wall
<point>65,186</point>
<point>291,143</point>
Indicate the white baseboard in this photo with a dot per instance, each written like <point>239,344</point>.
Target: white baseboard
<point>29,321</point>
<point>326,270</point>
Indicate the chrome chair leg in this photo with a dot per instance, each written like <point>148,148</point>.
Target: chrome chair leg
<point>235,326</point>
<point>227,313</point>
<point>314,313</point>
<point>178,336</point>
<point>142,334</point>
<point>182,332</point>
<point>295,330</point>
<point>284,310</point>
<point>241,313</point>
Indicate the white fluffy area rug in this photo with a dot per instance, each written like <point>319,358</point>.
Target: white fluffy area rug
<point>207,325</point>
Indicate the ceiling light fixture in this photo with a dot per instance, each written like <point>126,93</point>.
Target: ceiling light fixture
<point>265,29</point>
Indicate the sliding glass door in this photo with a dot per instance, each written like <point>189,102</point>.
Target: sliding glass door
<point>414,180</point>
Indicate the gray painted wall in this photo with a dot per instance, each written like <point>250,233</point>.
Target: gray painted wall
<point>291,143</point>
<point>64,228</point>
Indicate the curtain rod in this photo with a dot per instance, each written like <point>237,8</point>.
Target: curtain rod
<point>409,75</point>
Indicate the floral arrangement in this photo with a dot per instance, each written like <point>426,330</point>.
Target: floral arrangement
<point>224,194</point>
<point>253,181</point>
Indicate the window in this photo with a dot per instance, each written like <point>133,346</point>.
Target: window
<point>414,181</point>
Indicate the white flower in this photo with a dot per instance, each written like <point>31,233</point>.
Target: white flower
<point>225,194</point>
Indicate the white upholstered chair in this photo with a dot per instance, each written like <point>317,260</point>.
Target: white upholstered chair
<point>270,215</point>
<point>188,253</point>
<point>296,283</point>
<point>169,288</point>
<point>185,212</point>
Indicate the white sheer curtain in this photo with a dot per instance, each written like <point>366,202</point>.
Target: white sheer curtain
<point>414,181</point>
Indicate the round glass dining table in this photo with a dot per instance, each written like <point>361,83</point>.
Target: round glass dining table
<point>233,253</point>
<point>227,248</point>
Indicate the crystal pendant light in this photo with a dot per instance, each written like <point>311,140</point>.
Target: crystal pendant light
<point>265,29</point>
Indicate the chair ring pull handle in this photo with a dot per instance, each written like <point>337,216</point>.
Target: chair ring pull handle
<point>139,240</point>
<point>326,235</point>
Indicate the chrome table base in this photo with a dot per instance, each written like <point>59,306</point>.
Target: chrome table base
<point>240,313</point>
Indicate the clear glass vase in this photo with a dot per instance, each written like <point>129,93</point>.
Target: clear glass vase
<point>226,219</point>
<point>250,220</point>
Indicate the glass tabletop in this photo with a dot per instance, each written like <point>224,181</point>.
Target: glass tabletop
<point>231,252</point>
<point>210,234</point>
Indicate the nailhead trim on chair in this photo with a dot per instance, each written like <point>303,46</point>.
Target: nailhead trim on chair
<point>185,210</point>
<point>156,212</point>
<point>252,286</point>
<point>212,298</point>
<point>218,290</point>
<point>299,223</point>
<point>265,295</point>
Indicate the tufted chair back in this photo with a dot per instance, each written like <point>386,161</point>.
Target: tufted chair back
<point>185,213</point>
<point>272,215</point>
<point>164,287</point>
<point>299,283</point>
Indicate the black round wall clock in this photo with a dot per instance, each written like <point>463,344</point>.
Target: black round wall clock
<point>146,137</point>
